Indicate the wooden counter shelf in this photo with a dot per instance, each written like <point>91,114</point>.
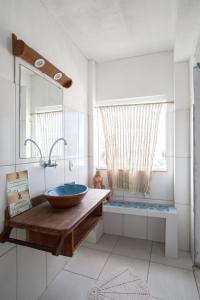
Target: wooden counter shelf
<point>58,231</point>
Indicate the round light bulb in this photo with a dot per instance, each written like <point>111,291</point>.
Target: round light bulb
<point>39,63</point>
<point>57,76</point>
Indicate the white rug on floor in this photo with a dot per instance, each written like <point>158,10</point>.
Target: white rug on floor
<point>123,285</point>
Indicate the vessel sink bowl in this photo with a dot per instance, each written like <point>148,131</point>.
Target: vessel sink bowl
<point>66,196</point>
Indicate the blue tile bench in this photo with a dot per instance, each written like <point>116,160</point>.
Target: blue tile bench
<point>151,210</point>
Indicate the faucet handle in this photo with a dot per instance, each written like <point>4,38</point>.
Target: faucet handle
<point>43,164</point>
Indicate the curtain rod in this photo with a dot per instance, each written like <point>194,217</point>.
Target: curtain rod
<point>46,112</point>
<point>132,104</point>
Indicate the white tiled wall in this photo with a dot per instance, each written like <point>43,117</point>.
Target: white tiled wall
<point>83,170</point>
<point>192,176</point>
<point>36,177</point>
<point>182,152</point>
<point>195,167</point>
<point>165,188</point>
<point>54,176</point>
<point>135,226</point>
<point>76,134</point>
<point>25,272</point>
<point>183,212</point>
<point>7,128</point>
<point>182,125</point>
<point>71,170</point>
<point>162,185</point>
<point>156,229</point>
<point>71,133</point>
<point>182,177</point>
<point>113,223</point>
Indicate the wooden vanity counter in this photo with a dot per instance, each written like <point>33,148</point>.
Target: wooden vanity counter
<point>58,231</point>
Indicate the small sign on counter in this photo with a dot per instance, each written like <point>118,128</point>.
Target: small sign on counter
<point>18,193</point>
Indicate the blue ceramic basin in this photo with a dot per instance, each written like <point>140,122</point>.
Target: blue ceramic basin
<point>67,195</point>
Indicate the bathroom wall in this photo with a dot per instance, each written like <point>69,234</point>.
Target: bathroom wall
<point>191,63</point>
<point>182,152</point>
<point>145,75</point>
<point>195,161</point>
<point>24,272</point>
<point>149,75</point>
<point>133,77</point>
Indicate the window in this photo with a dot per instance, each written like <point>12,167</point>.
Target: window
<point>160,161</point>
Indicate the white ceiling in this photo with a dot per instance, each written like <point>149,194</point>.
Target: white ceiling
<point>187,29</point>
<point>112,29</point>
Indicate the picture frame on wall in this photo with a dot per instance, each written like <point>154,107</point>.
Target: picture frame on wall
<point>18,196</point>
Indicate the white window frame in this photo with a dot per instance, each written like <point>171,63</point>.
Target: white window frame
<point>149,100</point>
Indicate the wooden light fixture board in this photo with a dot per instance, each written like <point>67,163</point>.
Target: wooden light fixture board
<point>20,49</point>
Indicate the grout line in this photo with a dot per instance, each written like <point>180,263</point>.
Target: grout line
<point>109,255</point>
<point>97,250</point>
<point>170,266</point>
<point>7,251</point>
<point>117,254</point>
<point>122,255</point>
<point>138,258</point>
<point>101,249</point>
<point>138,197</point>
<point>131,257</point>
<point>117,240</point>
<point>28,162</point>
<point>195,278</point>
<point>82,275</point>
<point>52,280</point>
<point>149,261</point>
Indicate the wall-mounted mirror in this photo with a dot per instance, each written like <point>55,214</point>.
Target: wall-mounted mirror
<point>40,114</point>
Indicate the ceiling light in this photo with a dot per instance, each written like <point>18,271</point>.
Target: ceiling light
<point>39,63</point>
<point>58,76</point>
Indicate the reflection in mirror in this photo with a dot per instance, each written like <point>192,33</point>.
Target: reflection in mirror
<point>41,114</point>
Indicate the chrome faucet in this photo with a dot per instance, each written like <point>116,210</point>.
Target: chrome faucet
<point>32,141</point>
<point>49,163</point>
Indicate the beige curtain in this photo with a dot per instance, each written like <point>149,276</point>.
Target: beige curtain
<point>130,138</point>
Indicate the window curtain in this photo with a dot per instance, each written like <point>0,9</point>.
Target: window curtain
<point>48,127</point>
<point>130,138</point>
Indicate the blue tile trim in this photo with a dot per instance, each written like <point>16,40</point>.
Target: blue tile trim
<point>142,205</point>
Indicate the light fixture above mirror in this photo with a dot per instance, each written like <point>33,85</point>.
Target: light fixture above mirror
<point>20,49</point>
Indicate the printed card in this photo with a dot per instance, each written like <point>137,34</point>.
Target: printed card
<point>18,193</point>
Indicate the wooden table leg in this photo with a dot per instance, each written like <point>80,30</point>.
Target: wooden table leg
<point>4,236</point>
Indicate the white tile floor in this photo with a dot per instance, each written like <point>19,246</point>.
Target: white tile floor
<point>167,279</point>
